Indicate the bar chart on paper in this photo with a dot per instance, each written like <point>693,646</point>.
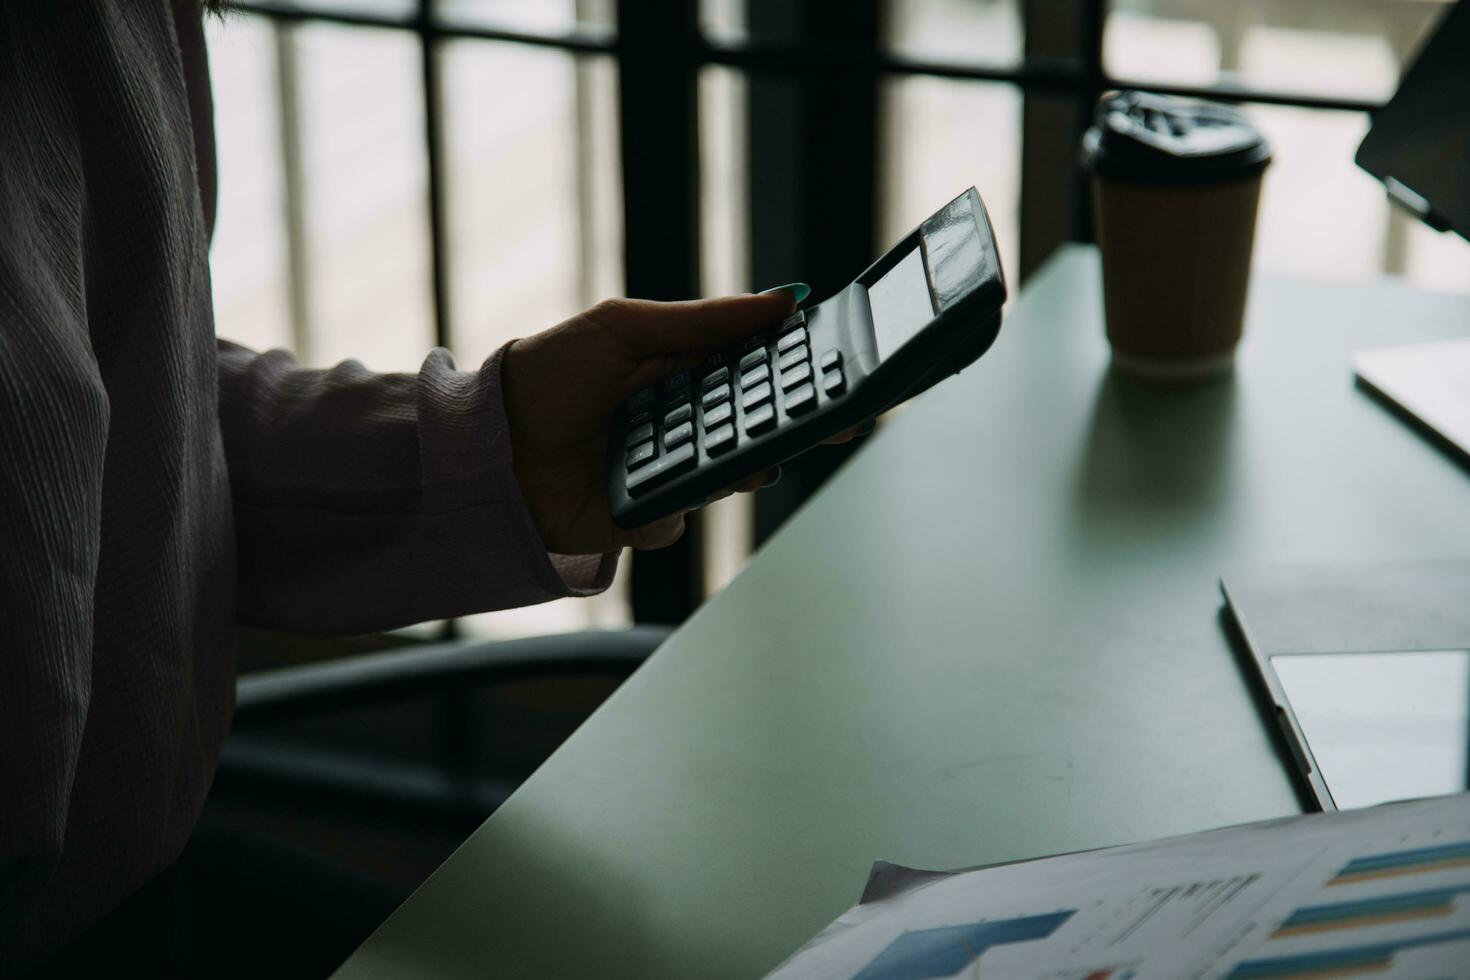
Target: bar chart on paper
<point>1382,892</point>
<point>946,950</point>
<point>1418,861</point>
<point>1396,913</point>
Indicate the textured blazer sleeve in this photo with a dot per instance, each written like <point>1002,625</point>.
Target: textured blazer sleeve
<point>370,501</point>
<point>54,418</point>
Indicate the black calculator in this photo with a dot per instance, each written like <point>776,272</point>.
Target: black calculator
<point>922,312</point>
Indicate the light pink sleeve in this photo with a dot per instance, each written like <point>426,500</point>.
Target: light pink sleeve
<point>370,501</point>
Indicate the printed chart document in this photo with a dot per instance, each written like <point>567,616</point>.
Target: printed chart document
<point>1382,892</point>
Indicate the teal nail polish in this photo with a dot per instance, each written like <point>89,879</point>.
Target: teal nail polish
<point>798,289</point>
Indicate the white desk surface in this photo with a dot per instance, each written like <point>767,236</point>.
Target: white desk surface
<point>994,635</point>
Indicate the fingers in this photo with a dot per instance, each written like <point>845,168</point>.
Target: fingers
<point>660,534</point>
<point>765,478</point>
<point>850,434</point>
<point>699,327</point>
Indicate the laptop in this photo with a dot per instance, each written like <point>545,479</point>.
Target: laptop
<point>1366,670</point>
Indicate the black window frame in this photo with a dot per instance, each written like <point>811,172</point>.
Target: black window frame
<point>659,51</point>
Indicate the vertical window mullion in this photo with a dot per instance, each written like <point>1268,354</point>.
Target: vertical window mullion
<point>659,126</point>
<point>434,154</point>
<point>293,188</point>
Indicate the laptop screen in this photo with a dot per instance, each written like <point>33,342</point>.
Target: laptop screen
<point>1383,726</point>
<point>1419,145</point>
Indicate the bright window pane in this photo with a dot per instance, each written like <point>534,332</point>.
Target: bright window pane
<point>532,16</point>
<point>1435,260</point>
<point>723,181</point>
<point>1348,48</point>
<point>723,20</point>
<point>535,228</point>
<point>365,197</point>
<point>535,222</point>
<point>382,8</point>
<point>1320,215</point>
<point>248,266</point>
<point>942,136</point>
<point>957,30</point>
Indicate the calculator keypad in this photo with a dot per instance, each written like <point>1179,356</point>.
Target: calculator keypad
<point>801,399</point>
<point>719,439</point>
<point>754,376</point>
<point>640,454</point>
<point>717,405</point>
<point>718,415</point>
<point>790,339</point>
<point>643,433</point>
<point>795,375</point>
<point>753,358</point>
<point>760,419</point>
<point>793,357</point>
<point>678,435</point>
<point>760,394</point>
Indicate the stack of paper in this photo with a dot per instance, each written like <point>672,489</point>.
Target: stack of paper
<point>1382,892</point>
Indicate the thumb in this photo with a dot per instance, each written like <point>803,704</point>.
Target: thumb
<point>698,327</point>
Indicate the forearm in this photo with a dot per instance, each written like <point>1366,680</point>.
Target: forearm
<point>366,501</point>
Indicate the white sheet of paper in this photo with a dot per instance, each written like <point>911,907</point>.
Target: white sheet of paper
<point>1385,890</point>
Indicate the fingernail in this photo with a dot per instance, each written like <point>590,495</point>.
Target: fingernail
<point>798,289</point>
<point>774,479</point>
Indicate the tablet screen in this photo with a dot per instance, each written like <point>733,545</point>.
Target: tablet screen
<point>1383,726</point>
<point>900,303</point>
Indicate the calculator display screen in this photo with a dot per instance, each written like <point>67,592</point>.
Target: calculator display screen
<point>900,303</point>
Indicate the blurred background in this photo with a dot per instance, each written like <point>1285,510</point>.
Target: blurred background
<point>400,174</point>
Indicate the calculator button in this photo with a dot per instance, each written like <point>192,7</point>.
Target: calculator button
<point>794,320</point>
<point>830,359</point>
<point>718,415</point>
<point>755,376</point>
<point>759,394</point>
<point>679,396</point>
<point>680,414</point>
<point>643,433</point>
<point>675,381</point>
<point>634,421</point>
<point>759,420</point>
<point>678,435</point>
<point>716,395</point>
<point>793,357</point>
<point>669,465</point>
<point>716,377</point>
<point>833,383</point>
<point>757,356</point>
<point>801,399</point>
<point>719,440</point>
<point>640,454</point>
<point>790,340</point>
<point>641,402</point>
<point>790,379</point>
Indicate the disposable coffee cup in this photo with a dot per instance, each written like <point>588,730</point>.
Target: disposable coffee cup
<point>1176,184</point>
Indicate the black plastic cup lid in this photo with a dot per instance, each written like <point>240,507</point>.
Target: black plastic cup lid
<point>1156,139</point>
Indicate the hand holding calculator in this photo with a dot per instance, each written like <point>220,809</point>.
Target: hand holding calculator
<point>924,311</point>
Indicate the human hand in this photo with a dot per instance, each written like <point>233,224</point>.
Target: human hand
<point>562,386</point>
